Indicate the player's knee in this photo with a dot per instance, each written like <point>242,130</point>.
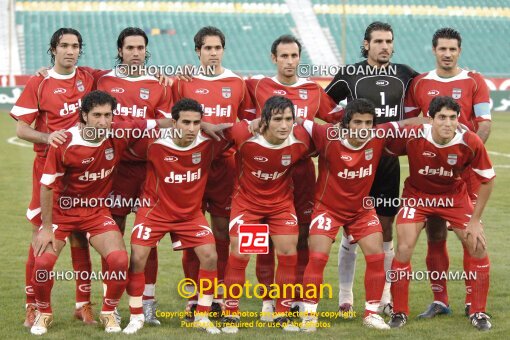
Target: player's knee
<point>479,252</point>
<point>404,252</point>
<point>117,261</point>
<point>209,260</point>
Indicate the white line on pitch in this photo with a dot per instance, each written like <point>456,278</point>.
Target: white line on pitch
<point>18,142</point>
<point>498,154</point>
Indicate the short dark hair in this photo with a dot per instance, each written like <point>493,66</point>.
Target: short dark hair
<point>186,104</point>
<point>93,99</point>
<point>438,103</point>
<point>446,33</point>
<point>375,26</point>
<point>128,32</point>
<point>208,31</point>
<point>55,40</point>
<point>360,105</point>
<point>285,39</point>
<point>276,105</point>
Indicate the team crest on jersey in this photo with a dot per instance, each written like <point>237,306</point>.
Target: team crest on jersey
<point>286,159</point>
<point>369,153</point>
<point>196,157</point>
<point>452,159</point>
<point>456,93</point>
<point>226,92</point>
<point>109,154</point>
<point>144,93</point>
<point>303,94</point>
<point>80,86</point>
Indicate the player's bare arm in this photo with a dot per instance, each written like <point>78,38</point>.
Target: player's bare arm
<point>28,133</point>
<point>214,130</point>
<point>45,235</point>
<point>474,235</point>
<point>484,130</point>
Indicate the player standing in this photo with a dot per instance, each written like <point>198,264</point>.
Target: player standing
<point>437,159</point>
<point>224,99</point>
<point>52,104</point>
<point>178,168</point>
<point>310,101</point>
<point>385,84</point>
<point>472,93</point>
<point>139,97</point>
<point>263,194</point>
<point>80,168</point>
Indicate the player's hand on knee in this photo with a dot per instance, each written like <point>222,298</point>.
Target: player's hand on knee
<point>475,236</point>
<point>44,237</point>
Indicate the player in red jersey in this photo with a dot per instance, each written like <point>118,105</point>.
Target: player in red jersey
<point>263,194</point>
<point>471,92</point>
<point>224,99</point>
<point>80,169</point>
<point>139,97</point>
<point>310,101</point>
<point>51,104</point>
<point>436,162</point>
<point>347,167</point>
<point>177,172</point>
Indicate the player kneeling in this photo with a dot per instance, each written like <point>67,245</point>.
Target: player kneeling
<point>437,159</point>
<point>177,174</point>
<point>80,170</point>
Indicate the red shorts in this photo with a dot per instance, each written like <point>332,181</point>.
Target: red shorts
<point>185,234</point>
<point>303,177</point>
<point>220,184</point>
<point>454,208</point>
<point>34,208</point>
<point>94,224</point>
<point>127,185</point>
<point>328,224</point>
<point>282,220</point>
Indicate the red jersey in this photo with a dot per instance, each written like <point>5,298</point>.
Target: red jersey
<point>137,97</point>
<point>176,177</point>
<point>309,98</point>
<point>53,102</point>
<point>263,169</point>
<point>79,168</point>
<point>436,169</point>
<point>467,88</point>
<point>224,97</point>
<point>346,173</point>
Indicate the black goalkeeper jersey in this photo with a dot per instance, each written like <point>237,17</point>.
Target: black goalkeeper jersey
<point>385,87</point>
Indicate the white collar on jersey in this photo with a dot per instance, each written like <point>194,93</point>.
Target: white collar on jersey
<point>299,82</point>
<point>457,139</point>
<point>226,74</point>
<point>113,73</point>
<point>168,142</point>
<point>78,140</point>
<point>433,76</point>
<point>259,139</point>
<point>53,74</point>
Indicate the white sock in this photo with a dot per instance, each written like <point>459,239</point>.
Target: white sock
<point>105,287</point>
<point>389,254</point>
<point>346,268</point>
<point>149,290</point>
<point>81,304</point>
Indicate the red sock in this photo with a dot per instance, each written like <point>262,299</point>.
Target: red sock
<point>467,267</point>
<point>314,275</point>
<point>264,269</point>
<point>302,261</point>
<point>151,273</point>
<point>29,272</point>
<point>190,266</point>
<point>481,285</point>
<point>117,269</point>
<point>439,262</point>
<point>375,278</point>
<point>222,249</point>
<point>80,258</point>
<point>41,281</point>
<point>206,296</point>
<point>134,289</point>
<point>400,286</point>
<point>235,275</point>
<point>285,274</point>
<point>104,270</point>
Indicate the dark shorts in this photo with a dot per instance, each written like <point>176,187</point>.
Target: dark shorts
<point>387,185</point>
